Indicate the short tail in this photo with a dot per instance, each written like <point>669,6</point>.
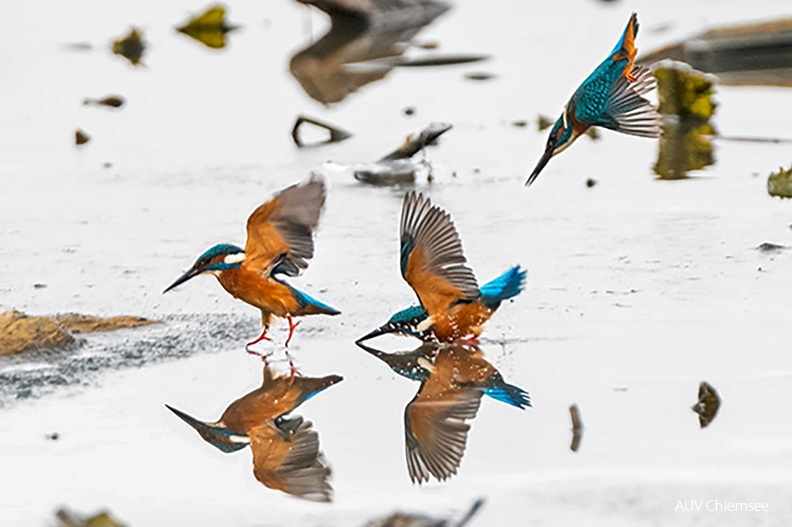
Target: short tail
<point>312,306</point>
<point>506,286</point>
<point>510,394</point>
<point>625,47</point>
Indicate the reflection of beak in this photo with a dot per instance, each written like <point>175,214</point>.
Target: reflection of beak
<point>193,272</point>
<point>548,153</point>
<point>200,426</point>
<point>382,330</point>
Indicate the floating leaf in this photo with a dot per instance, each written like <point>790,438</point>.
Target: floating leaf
<point>779,184</point>
<point>209,28</point>
<point>80,137</point>
<point>131,47</point>
<point>707,405</point>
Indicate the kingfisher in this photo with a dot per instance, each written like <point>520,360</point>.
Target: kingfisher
<point>453,379</point>
<point>279,243</point>
<point>611,98</point>
<point>451,305</point>
<point>416,365</point>
<point>286,454</point>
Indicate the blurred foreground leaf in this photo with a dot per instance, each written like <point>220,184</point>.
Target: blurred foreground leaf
<point>209,28</point>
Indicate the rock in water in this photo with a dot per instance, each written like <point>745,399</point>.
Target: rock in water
<point>20,333</point>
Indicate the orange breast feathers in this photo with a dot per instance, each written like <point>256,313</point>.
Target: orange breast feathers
<point>267,402</point>
<point>463,320</point>
<point>266,294</point>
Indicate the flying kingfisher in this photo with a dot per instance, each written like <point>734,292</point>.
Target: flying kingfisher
<point>610,97</point>
<point>279,243</point>
<point>452,306</point>
<point>286,454</point>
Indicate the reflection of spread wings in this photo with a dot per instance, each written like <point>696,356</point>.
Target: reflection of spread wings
<point>286,457</point>
<point>360,32</point>
<point>435,429</point>
<point>432,261</point>
<point>280,232</point>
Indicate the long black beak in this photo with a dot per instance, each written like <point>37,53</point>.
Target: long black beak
<point>382,330</point>
<point>193,272</point>
<point>200,426</point>
<point>548,153</point>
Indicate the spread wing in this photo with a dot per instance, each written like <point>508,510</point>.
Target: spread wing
<point>282,228</point>
<point>435,429</point>
<point>286,457</point>
<point>432,260</point>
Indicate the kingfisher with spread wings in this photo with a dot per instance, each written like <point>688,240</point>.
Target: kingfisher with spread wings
<point>452,306</point>
<point>279,243</point>
<point>611,97</point>
<point>286,453</point>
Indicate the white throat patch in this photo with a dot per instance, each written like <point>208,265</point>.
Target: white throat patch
<point>234,258</point>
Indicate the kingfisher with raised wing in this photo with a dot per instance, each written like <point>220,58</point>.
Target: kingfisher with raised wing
<point>453,379</point>
<point>452,306</point>
<point>473,369</point>
<point>279,243</point>
<point>286,454</point>
<point>611,97</point>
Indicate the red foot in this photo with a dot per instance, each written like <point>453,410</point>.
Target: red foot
<point>292,369</point>
<point>261,337</point>
<point>469,339</point>
<point>292,326</point>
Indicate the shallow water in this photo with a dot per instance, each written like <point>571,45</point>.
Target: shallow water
<point>638,289</point>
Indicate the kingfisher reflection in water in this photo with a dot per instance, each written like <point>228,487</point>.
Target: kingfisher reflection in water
<point>453,378</point>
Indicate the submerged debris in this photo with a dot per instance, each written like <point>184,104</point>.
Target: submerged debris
<point>209,28</point>
<point>707,405</point>
<point>111,101</point>
<point>396,168</point>
<point>81,137</point>
<point>415,143</point>
<point>401,519</point>
<point>479,76</point>
<point>768,247</point>
<point>779,184</point>
<point>577,428</point>
<point>131,47</point>
<point>747,54</point>
<point>67,518</point>
<point>336,134</point>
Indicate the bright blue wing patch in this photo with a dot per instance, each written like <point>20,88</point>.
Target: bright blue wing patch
<point>506,286</point>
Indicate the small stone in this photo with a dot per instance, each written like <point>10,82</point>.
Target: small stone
<point>409,110</point>
<point>590,182</point>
